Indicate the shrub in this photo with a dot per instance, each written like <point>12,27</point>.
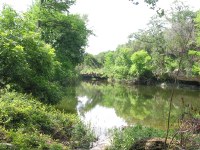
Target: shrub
<point>27,123</point>
<point>125,139</point>
<point>141,63</point>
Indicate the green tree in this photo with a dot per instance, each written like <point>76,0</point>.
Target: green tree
<point>122,63</point>
<point>180,36</point>
<point>153,41</point>
<point>168,40</point>
<point>195,57</point>
<point>90,60</point>
<point>109,63</point>
<point>195,54</point>
<point>59,5</point>
<point>140,63</point>
<point>27,63</point>
<point>89,65</point>
<point>65,32</point>
<point>197,25</point>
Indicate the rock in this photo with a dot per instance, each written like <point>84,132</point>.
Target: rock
<point>163,85</point>
<point>150,144</point>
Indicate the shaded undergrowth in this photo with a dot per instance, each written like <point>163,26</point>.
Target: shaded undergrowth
<point>25,123</point>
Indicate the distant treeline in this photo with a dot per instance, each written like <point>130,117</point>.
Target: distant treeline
<point>169,44</point>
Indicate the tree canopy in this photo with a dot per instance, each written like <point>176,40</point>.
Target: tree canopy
<point>40,48</point>
<point>167,44</point>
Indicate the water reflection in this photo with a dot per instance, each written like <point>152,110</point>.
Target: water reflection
<point>113,105</point>
<point>100,118</point>
<point>69,101</point>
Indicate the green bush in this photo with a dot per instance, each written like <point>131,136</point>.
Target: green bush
<point>196,63</point>
<point>27,123</point>
<point>27,63</point>
<point>125,139</point>
<point>140,63</point>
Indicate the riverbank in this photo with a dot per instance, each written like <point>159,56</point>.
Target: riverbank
<point>183,81</point>
<point>139,138</point>
<point>105,105</point>
<point>26,123</point>
<point>145,80</point>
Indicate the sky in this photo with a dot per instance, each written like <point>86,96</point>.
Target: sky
<point>112,21</point>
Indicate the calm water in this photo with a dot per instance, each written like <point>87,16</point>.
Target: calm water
<point>105,106</point>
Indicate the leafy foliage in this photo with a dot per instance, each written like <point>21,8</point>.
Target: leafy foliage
<point>197,24</point>
<point>125,139</point>
<point>26,123</point>
<point>196,61</point>
<point>27,63</point>
<point>66,33</point>
<point>59,5</point>
<point>36,58</point>
<point>141,63</point>
<point>155,53</point>
<point>40,49</point>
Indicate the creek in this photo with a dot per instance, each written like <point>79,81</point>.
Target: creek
<point>104,106</point>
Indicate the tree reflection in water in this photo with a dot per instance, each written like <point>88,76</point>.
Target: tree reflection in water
<point>120,105</point>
